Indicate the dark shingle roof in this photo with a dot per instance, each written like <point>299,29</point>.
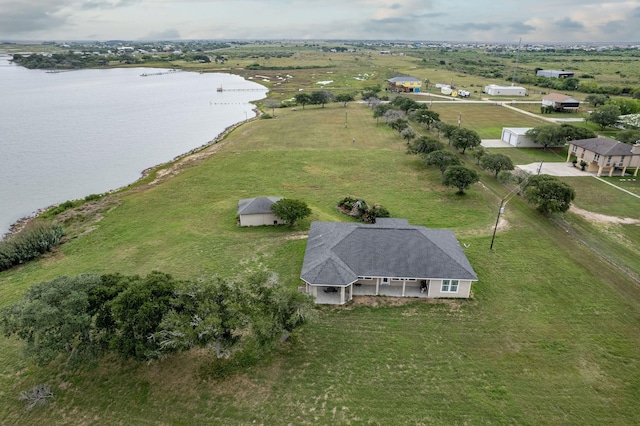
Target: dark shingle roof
<point>256,205</point>
<point>604,146</point>
<point>338,253</point>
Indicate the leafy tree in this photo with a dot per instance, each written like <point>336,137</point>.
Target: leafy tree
<point>408,134</point>
<point>572,133</point>
<point>274,308</point>
<point>321,97</point>
<point>344,98</point>
<point>626,105</point>
<point>396,120</point>
<point>547,135</point>
<point>496,163</point>
<point>548,193</point>
<point>460,177</point>
<point>478,152</point>
<point>446,129</point>
<point>629,136</point>
<point>369,95</point>
<point>596,99</point>
<point>426,117</point>
<point>405,104</point>
<point>273,104</point>
<point>441,159</point>
<point>208,314</point>
<point>290,210</point>
<point>138,312</point>
<point>424,145</point>
<point>464,138</point>
<point>605,115</point>
<point>303,99</point>
<point>52,319</point>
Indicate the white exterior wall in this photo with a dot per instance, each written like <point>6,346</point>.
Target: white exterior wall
<point>259,219</point>
<point>518,139</point>
<point>494,90</point>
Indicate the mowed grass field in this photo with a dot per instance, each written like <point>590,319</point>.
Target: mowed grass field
<point>551,335</point>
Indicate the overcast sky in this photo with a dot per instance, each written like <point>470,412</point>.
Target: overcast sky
<point>461,20</point>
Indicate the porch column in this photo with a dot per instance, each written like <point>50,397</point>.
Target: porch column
<point>568,154</point>
<point>599,171</point>
<point>624,170</point>
<point>342,294</point>
<point>377,286</point>
<point>636,172</point>
<point>404,282</point>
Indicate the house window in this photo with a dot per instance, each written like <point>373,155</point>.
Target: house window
<point>385,281</point>
<point>609,159</point>
<point>395,279</point>
<point>596,157</point>
<point>449,286</point>
<point>574,149</point>
<point>412,280</point>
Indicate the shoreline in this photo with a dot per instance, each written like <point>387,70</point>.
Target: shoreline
<point>21,223</point>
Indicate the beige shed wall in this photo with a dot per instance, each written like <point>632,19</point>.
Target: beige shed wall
<point>464,289</point>
<point>259,219</point>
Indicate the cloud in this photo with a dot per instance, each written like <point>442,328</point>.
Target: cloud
<point>107,4</point>
<point>168,34</point>
<point>568,24</point>
<point>20,17</point>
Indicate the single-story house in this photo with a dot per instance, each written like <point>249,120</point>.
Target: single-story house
<point>388,258</point>
<point>605,155</point>
<point>554,74</point>
<point>495,90</point>
<point>404,84</point>
<point>560,102</point>
<point>257,211</point>
<point>517,136</point>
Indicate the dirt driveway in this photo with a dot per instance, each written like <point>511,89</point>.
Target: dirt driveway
<point>554,169</point>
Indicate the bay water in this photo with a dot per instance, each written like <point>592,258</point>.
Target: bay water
<point>65,135</point>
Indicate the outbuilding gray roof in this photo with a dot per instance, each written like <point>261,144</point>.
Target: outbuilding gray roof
<point>603,146</point>
<point>402,79</point>
<point>258,205</point>
<point>339,253</point>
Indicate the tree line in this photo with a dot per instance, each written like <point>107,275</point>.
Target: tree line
<point>78,319</point>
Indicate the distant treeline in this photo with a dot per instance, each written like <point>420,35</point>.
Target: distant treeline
<point>258,67</point>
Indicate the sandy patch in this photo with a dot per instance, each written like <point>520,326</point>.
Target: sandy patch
<point>602,218</point>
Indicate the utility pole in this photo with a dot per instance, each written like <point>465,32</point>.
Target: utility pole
<point>495,228</point>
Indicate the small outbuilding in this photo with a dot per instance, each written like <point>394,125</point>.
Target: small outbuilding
<point>495,90</point>
<point>554,74</point>
<point>517,136</point>
<point>560,102</point>
<point>257,211</point>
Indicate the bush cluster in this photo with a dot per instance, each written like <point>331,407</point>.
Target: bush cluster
<point>357,207</point>
<point>34,240</point>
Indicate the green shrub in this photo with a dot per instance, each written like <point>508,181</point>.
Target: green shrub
<point>35,239</point>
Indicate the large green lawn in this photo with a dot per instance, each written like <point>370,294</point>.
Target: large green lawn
<point>551,335</point>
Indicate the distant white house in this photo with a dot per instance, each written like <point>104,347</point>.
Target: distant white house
<point>257,211</point>
<point>517,137</point>
<point>495,90</point>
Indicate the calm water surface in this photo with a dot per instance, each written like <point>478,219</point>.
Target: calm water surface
<point>70,134</point>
